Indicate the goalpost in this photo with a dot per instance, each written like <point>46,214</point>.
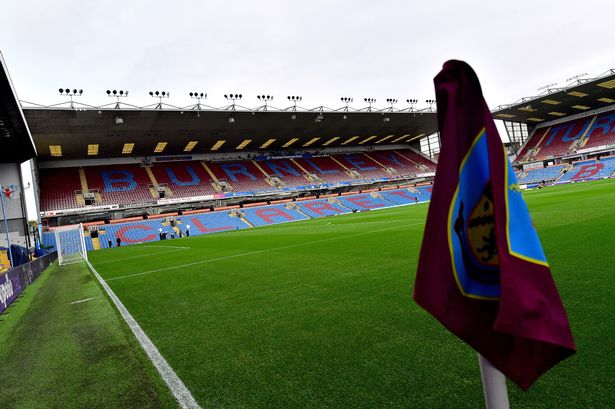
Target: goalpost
<point>70,244</point>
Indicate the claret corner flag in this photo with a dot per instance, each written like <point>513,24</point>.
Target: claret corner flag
<point>482,271</point>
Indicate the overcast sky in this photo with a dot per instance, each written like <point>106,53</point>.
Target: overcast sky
<point>321,50</point>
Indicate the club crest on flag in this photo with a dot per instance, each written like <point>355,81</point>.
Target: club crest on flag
<point>9,191</point>
<point>471,226</point>
<point>482,271</point>
<point>523,241</point>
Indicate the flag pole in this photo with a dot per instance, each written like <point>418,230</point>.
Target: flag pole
<point>494,385</point>
<point>6,228</point>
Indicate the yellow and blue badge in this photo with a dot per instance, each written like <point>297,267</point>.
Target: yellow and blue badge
<point>472,231</point>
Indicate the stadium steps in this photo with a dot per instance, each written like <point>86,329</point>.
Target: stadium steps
<point>241,215</point>
<point>80,200</point>
<point>96,243</point>
<point>83,180</point>
<point>354,174</point>
<point>259,168</point>
<point>266,175</point>
<point>209,172</point>
<point>584,137</point>
<point>216,183</point>
<point>297,208</point>
<point>151,176</point>
<point>406,158</point>
<point>246,221</point>
<point>153,190</point>
<point>84,188</point>
<point>386,169</point>
<point>338,202</point>
<point>340,163</point>
<point>305,171</point>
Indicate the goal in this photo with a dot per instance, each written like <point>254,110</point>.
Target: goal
<point>70,244</point>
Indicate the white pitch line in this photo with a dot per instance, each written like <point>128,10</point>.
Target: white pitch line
<point>177,387</point>
<point>169,247</point>
<point>144,255</point>
<point>84,300</point>
<point>259,251</point>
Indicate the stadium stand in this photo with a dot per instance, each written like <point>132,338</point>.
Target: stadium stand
<point>568,137</point>
<point>58,187</point>
<point>325,168</point>
<point>364,201</point>
<point>262,215</point>
<point>406,196</point>
<point>547,174</point>
<point>119,184</point>
<point>601,132</point>
<point>590,169</point>
<point>142,231</point>
<point>213,222</point>
<point>362,163</point>
<point>185,179</point>
<point>320,208</point>
<point>559,140</point>
<point>130,184</point>
<point>284,169</point>
<point>243,176</point>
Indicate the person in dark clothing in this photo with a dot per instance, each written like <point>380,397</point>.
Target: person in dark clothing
<point>110,243</point>
<point>188,231</point>
<point>181,234</point>
<point>118,241</point>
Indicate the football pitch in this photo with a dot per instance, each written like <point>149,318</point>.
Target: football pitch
<point>319,313</point>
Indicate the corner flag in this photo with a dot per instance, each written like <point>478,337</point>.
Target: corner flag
<point>482,271</point>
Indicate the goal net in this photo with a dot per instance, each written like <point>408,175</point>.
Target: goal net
<point>70,244</point>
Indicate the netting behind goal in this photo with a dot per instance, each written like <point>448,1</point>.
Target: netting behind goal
<point>70,244</point>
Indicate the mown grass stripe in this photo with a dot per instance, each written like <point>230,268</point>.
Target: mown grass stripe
<point>177,387</point>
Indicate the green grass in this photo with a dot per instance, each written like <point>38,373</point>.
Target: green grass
<point>319,313</point>
<point>54,354</point>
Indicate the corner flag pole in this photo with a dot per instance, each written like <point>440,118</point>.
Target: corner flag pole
<point>494,385</point>
<point>6,229</point>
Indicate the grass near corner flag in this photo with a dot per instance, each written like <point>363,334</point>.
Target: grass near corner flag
<point>482,271</point>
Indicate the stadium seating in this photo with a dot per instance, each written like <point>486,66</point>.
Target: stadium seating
<point>120,184</point>
<point>602,131</point>
<point>566,138</point>
<point>208,223</point>
<point>363,201</point>
<point>325,168</point>
<point>558,141</point>
<point>58,188</point>
<point>402,164</point>
<point>535,138</point>
<point>130,184</point>
<point>185,179</point>
<point>321,208</point>
<point>212,222</point>
<point>262,215</point>
<point>590,169</point>
<point>547,174</point>
<point>285,170</point>
<point>364,165</point>
<point>405,196</point>
<point>244,176</point>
